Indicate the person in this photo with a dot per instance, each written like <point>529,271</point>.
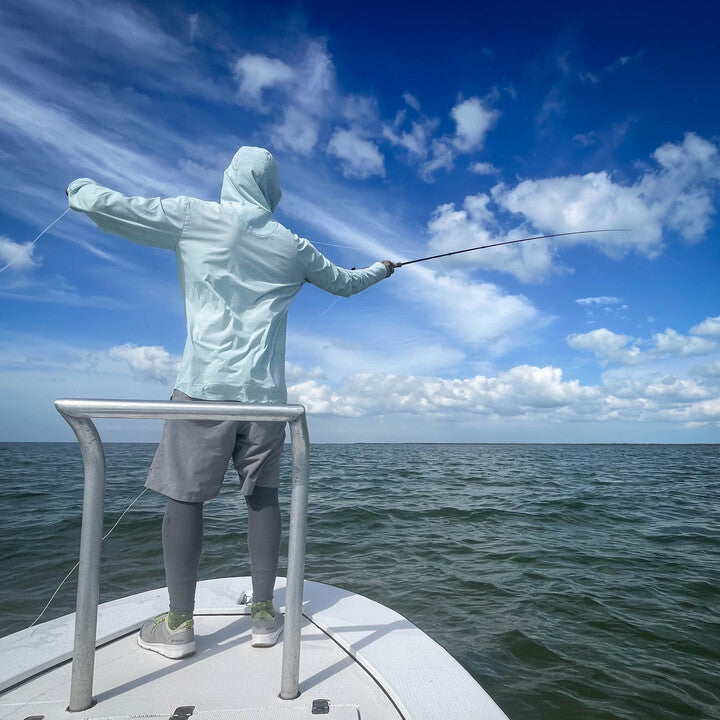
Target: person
<point>239,270</point>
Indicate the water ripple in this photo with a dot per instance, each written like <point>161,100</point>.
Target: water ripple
<point>573,581</point>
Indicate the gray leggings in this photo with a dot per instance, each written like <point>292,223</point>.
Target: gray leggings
<point>182,534</point>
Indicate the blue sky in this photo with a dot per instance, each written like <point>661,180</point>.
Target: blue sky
<point>399,132</point>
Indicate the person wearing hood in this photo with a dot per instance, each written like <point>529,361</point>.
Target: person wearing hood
<point>239,270</point>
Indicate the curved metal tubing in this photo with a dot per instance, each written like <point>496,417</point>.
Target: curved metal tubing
<point>78,414</point>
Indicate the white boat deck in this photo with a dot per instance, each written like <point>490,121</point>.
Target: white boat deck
<point>365,660</point>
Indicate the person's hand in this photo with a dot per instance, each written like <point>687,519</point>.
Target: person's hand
<point>390,266</point>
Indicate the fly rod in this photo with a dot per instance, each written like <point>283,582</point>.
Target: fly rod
<point>507,242</point>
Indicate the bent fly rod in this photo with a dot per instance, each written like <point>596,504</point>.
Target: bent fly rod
<point>507,242</point>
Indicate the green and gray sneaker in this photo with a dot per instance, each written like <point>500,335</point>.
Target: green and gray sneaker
<point>158,635</point>
<point>267,624</point>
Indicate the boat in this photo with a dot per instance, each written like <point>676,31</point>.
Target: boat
<point>360,659</point>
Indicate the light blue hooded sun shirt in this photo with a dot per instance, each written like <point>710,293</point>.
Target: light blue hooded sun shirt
<point>238,268</point>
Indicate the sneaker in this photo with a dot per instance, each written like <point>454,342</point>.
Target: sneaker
<point>267,624</point>
<point>157,636</point>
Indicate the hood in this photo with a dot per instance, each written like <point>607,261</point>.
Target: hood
<point>252,177</point>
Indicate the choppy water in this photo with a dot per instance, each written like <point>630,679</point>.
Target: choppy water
<point>573,581</point>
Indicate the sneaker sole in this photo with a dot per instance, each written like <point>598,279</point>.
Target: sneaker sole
<point>174,652</point>
<point>266,639</point>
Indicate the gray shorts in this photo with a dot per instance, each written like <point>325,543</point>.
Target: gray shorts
<point>193,455</point>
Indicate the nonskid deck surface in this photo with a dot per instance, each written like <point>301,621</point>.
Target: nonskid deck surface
<point>225,678</point>
<point>365,659</point>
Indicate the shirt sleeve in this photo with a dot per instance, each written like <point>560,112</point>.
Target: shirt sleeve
<point>336,280</point>
<point>148,221</point>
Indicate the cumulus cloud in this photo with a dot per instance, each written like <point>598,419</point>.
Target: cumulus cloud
<point>297,132</point>
<point>295,374</point>
<point>482,168</point>
<point>709,327</point>
<point>566,204</point>
<point>607,346</point>
<point>517,392</point>
<point>473,119</point>
<point>475,225</point>
<point>675,194</point>
<point>610,347</point>
<point>522,393</point>
<point>358,157</point>
<point>671,342</point>
<point>254,73</point>
<point>148,363</point>
<point>17,256</point>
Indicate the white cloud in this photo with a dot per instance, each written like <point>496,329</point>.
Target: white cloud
<point>297,132</point>
<point>338,356</point>
<point>671,342</point>
<point>412,101</point>
<point>296,374</point>
<point>711,370</point>
<point>305,94</point>
<point>519,392</point>
<point>478,314</point>
<point>147,363</point>
<point>607,346</point>
<point>623,61</point>
<point>592,201</point>
<point>362,109</point>
<point>17,256</point>
<point>258,72</point>
<point>193,23</point>
<point>442,156</point>
<point>316,83</point>
<point>523,393</point>
<point>601,300</point>
<point>359,158</point>
<point>473,120</point>
<point>483,168</point>
<point>417,141</point>
<point>475,225</point>
<point>709,327</point>
<point>610,347</point>
<point>677,194</point>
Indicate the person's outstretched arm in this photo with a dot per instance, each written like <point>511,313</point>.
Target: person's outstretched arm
<point>149,221</point>
<point>336,280</point>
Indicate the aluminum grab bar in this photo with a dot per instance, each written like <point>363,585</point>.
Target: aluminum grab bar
<point>78,414</point>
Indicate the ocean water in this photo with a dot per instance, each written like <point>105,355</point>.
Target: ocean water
<point>574,582</point>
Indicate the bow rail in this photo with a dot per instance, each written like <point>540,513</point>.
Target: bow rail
<point>79,414</point>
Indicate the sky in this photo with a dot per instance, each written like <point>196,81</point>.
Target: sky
<point>400,130</point>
